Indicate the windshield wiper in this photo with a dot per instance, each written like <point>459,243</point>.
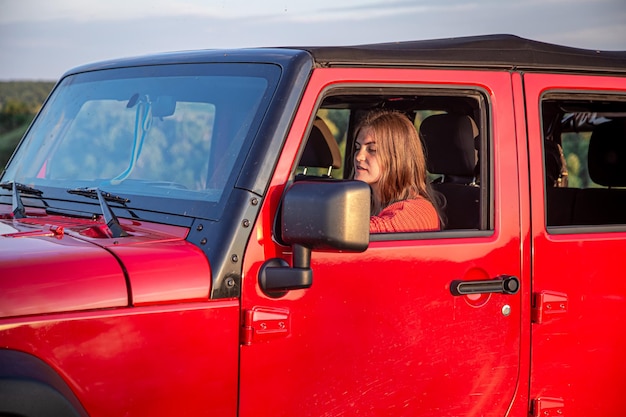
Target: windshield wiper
<point>19,212</point>
<point>109,217</point>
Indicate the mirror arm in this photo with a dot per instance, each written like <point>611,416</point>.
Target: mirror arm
<point>301,257</point>
<point>276,276</point>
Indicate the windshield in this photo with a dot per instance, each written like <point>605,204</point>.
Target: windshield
<point>167,137</point>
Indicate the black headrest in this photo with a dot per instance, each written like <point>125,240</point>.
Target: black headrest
<point>449,142</point>
<point>322,150</point>
<point>607,154</point>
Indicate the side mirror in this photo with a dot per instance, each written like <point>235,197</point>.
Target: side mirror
<point>327,215</point>
<point>318,215</point>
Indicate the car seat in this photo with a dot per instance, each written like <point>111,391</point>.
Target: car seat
<point>606,162</point>
<point>449,141</point>
<point>321,150</point>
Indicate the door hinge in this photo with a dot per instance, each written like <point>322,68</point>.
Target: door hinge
<point>547,407</point>
<point>265,323</point>
<point>548,305</point>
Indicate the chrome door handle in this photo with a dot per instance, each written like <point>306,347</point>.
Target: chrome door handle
<point>503,284</point>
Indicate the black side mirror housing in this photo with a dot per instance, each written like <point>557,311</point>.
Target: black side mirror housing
<point>328,215</point>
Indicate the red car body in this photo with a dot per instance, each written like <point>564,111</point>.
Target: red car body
<point>212,314</point>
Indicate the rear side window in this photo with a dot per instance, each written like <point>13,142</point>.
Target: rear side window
<point>584,147</point>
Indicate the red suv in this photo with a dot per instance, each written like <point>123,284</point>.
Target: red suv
<point>180,235</point>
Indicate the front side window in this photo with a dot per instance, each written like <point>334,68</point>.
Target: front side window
<point>448,125</point>
<point>164,137</point>
<point>585,160</point>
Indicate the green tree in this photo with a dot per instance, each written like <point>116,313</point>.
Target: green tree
<point>19,102</point>
<point>14,114</point>
<point>31,93</point>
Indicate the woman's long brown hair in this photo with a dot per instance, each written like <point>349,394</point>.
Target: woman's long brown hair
<point>401,158</point>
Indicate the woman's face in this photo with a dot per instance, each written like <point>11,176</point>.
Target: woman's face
<point>366,167</point>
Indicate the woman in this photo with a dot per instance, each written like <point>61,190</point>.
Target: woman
<point>390,158</point>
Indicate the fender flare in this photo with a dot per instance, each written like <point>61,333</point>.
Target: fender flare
<point>29,387</point>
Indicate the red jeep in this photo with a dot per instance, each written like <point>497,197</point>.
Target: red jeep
<point>180,236</point>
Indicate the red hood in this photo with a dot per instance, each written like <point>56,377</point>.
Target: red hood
<point>57,264</point>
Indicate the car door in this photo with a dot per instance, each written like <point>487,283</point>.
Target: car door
<point>380,332</point>
<point>579,241</point>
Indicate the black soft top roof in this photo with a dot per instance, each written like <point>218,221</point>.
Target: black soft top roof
<point>489,51</point>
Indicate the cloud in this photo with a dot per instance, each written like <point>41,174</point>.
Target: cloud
<point>380,11</point>
<point>84,11</point>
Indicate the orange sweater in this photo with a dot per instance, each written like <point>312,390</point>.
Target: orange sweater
<point>413,215</point>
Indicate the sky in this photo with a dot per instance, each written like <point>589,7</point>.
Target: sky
<point>41,39</point>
